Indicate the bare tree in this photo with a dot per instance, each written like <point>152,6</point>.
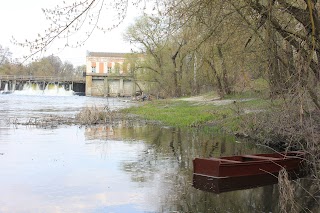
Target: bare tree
<point>74,23</point>
<point>5,55</point>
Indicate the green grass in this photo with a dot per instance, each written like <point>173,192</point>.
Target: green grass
<point>180,113</point>
<point>174,113</point>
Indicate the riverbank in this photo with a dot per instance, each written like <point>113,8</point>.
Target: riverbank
<point>274,123</point>
<point>207,111</point>
<point>269,122</point>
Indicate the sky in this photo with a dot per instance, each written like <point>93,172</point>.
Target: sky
<point>23,20</point>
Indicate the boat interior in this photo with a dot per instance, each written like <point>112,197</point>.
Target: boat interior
<point>260,157</point>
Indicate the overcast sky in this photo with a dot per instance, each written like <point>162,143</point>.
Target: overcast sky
<point>24,19</point>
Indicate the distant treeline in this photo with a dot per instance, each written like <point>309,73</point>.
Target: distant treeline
<point>46,66</point>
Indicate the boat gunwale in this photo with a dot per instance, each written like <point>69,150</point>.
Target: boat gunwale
<point>258,158</point>
<point>225,167</point>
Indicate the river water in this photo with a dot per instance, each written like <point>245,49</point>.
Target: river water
<point>134,169</point>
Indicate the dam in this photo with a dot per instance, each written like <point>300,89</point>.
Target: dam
<point>90,84</point>
<point>41,85</point>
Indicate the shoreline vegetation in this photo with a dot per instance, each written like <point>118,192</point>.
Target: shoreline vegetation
<point>277,123</point>
<point>250,115</point>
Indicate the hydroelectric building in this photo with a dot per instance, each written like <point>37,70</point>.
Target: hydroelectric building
<point>109,74</point>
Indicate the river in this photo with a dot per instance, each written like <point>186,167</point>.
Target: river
<point>134,169</point>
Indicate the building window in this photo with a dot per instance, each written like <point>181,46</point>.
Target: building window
<point>109,67</point>
<point>93,66</point>
<point>101,67</point>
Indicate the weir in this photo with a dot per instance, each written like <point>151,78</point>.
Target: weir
<point>91,84</point>
<point>41,85</point>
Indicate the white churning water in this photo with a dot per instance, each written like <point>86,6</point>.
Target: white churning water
<point>50,89</point>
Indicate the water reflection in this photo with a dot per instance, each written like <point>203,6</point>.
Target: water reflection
<point>100,132</point>
<point>57,170</point>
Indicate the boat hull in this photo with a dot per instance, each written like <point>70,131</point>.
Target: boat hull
<point>220,185</point>
<point>248,165</point>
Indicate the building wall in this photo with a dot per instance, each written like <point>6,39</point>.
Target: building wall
<point>128,87</point>
<point>106,65</point>
<point>108,74</point>
<point>98,88</point>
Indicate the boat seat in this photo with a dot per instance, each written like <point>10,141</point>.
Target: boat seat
<point>261,157</point>
<point>228,161</point>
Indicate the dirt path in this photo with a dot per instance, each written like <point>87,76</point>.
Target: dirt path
<point>208,100</point>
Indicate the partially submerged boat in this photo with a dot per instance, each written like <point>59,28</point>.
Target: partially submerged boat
<point>249,165</point>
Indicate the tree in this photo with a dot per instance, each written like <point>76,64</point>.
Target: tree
<point>50,66</point>
<point>8,65</point>
<point>5,55</point>
<point>67,70</point>
<point>79,70</point>
<point>150,35</point>
<point>293,42</point>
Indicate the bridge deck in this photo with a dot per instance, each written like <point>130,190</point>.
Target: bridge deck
<point>41,78</point>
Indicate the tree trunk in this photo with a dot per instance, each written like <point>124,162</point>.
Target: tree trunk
<point>211,63</point>
<point>195,67</point>
<point>177,86</point>
<point>273,69</point>
<point>227,89</point>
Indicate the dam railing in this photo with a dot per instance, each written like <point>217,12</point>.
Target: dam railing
<point>41,78</point>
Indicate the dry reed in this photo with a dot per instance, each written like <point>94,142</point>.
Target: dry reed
<point>286,193</point>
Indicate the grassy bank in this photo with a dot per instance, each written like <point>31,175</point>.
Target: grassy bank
<point>275,123</point>
<point>201,111</point>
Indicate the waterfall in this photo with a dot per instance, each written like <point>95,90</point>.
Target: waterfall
<point>6,88</point>
<point>51,89</point>
<point>57,90</point>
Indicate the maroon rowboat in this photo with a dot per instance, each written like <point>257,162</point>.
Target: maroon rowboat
<point>248,165</point>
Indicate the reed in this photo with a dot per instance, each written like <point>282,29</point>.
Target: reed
<point>95,115</point>
<point>286,193</point>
